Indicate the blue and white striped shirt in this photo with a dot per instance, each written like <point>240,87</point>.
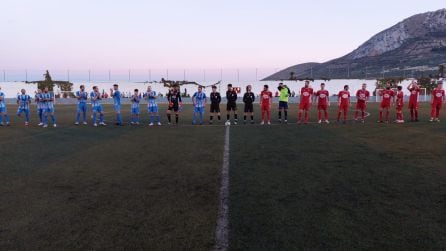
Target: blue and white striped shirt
<point>83,97</point>
<point>135,101</point>
<point>49,100</point>
<point>97,102</point>
<point>200,99</point>
<point>24,100</point>
<point>39,102</point>
<point>117,97</point>
<point>151,99</point>
<point>2,100</point>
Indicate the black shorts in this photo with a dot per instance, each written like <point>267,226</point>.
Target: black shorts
<point>231,107</point>
<point>215,108</point>
<point>175,108</point>
<point>283,105</point>
<point>249,108</point>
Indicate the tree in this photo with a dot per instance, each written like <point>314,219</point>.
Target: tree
<point>427,83</point>
<point>48,82</point>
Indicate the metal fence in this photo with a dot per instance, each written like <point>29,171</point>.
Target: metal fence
<point>138,75</point>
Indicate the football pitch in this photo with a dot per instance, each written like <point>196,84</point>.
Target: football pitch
<point>353,186</point>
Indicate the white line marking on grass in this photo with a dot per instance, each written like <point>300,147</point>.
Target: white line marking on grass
<point>222,229</point>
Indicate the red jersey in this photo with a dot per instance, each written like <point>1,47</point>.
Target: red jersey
<point>323,96</point>
<point>438,95</point>
<point>387,96</point>
<point>400,98</point>
<point>345,97</point>
<point>362,96</point>
<point>305,94</point>
<point>414,93</point>
<point>266,97</point>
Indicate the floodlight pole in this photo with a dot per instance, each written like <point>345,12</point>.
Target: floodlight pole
<point>221,80</point>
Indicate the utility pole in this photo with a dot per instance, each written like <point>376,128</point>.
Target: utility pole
<point>238,76</point>
<point>129,75</point>
<point>167,74</point>
<point>204,75</point>
<point>184,75</point>
<point>221,79</point>
<point>26,75</point>
<point>68,75</point>
<point>109,75</point>
<point>150,75</point>
<point>4,76</point>
<point>89,76</point>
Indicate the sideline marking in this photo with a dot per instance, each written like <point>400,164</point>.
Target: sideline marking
<point>222,229</point>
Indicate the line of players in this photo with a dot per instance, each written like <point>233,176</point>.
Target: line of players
<point>45,104</point>
<point>45,107</point>
<point>308,96</point>
<point>389,98</point>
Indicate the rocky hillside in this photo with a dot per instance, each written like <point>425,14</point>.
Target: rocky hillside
<point>413,47</point>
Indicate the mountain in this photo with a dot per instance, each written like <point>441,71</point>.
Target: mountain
<point>412,48</point>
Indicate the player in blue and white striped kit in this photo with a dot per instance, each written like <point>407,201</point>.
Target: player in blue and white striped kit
<point>96,106</point>
<point>152,106</point>
<point>3,110</point>
<point>199,101</point>
<point>82,97</point>
<point>23,101</point>
<point>134,110</point>
<point>116,94</point>
<point>39,102</point>
<point>48,99</point>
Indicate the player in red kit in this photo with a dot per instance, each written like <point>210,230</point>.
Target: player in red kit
<point>399,105</point>
<point>438,97</point>
<point>305,101</point>
<point>344,103</point>
<point>362,97</point>
<point>266,99</point>
<point>388,96</point>
<point>323,103</point>
<point>413,100</point>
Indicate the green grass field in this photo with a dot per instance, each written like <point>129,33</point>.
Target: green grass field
<point>354,186</point>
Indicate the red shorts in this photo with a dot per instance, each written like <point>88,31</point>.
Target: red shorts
<point>361,106</point>
<point>436,105</point>
<point>343,107</point>
<point>266,107</point>
<point>304,106</point>
<point>385,105</point>
<point>399,107</point>
<point>413,105</point>
<point>322,107</point>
